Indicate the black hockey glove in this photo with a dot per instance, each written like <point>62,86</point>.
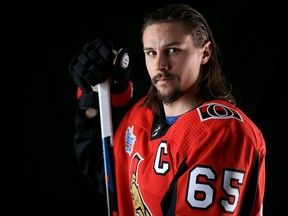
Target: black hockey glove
<point>96,62</point>
<point>121,70</point>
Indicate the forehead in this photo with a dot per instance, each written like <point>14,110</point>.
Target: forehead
<point>164,32</point>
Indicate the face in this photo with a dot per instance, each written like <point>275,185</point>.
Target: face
<point>172,60</point>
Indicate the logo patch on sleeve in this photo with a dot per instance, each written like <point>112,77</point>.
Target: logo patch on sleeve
<point>218,111</point>
<point>130,139</point>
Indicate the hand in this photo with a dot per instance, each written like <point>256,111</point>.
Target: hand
<point>92,65</point>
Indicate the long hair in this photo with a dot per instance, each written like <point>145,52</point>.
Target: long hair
<point>211,83</point>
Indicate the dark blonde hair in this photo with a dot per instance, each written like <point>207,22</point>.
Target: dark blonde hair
<point>211,83</point>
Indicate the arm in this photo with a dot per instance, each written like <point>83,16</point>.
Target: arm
<point>96,62</point>
<point>88,149</point>
<point>92,66</point>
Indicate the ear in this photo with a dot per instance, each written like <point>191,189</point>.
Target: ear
<point>206,53</point>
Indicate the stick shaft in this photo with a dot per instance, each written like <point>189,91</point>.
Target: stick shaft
<point>107,143</point>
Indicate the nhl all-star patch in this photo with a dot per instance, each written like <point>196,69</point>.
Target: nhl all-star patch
<point>130,139</point>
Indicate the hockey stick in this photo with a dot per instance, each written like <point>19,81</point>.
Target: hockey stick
<point>107,142</point>
<point>121,60</point>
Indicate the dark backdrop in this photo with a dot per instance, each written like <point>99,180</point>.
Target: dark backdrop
<point>44,177</point>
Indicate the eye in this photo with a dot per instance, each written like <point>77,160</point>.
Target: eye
<point>172,50</point>
<point>150,53</point>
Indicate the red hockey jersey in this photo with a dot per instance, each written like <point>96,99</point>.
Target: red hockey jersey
<point>209,162</point>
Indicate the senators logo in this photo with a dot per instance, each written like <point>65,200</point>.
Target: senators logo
<point>219,111</point>
<point>139,205</point>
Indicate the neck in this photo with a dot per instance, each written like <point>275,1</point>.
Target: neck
<point>182,105</point>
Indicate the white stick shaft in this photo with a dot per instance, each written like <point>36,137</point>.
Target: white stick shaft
<point>107,142</point>
<point>105,110</point>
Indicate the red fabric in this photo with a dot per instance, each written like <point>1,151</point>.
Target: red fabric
<point>212,149</point>
<point>117,100</point>
<point>123,98</point>
<point>79,92</point>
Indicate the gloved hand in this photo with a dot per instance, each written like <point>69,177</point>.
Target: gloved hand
<point>94,64</point>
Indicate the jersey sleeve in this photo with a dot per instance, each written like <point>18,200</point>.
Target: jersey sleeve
<point>88,152</point>
<point>88,148</point>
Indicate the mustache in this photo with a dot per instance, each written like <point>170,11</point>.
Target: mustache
<point>162,75</point>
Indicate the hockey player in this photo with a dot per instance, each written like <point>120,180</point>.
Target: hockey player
<point>185,148</point>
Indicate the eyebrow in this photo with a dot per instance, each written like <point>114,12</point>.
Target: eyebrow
<point>166,45</point>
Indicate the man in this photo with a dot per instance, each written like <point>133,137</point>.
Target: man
<point>185,148</point>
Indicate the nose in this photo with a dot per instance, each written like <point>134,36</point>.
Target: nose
<point>161,63</point>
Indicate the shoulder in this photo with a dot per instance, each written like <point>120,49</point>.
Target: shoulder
<point>219,114</point>
<point>218,121</point>
<point>139,113</point>
<point>223,112</point>
<point>137,107</point>
<point>219,109</point>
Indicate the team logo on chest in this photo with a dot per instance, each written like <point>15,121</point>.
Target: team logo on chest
<point>140,207</point>
<point>219,111</point>
<point>130,139</point>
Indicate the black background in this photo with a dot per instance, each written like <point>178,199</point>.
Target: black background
<point>44,178</point>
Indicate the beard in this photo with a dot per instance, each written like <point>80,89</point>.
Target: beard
<point>171,96</point>
<point>175,92</point>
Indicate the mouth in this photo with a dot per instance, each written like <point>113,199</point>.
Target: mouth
<point>164,80</point>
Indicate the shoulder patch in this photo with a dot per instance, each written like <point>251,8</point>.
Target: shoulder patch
<point>217,111</point>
